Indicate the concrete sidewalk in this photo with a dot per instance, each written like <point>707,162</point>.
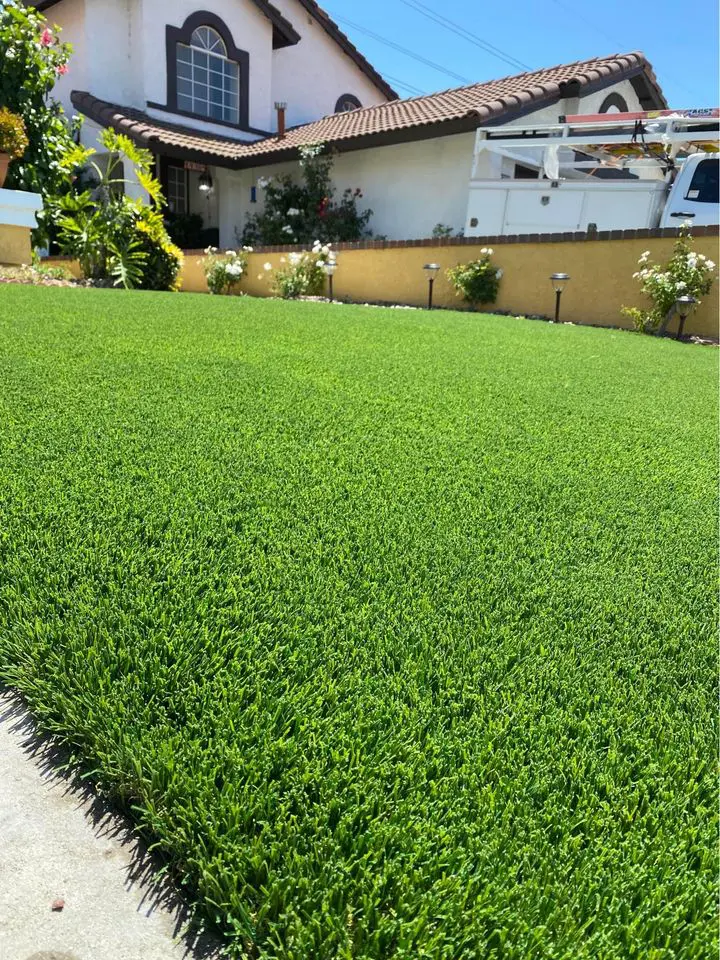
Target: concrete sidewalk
<point>59,843</point>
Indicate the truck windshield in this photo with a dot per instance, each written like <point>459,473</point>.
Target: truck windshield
<point>704,185</point>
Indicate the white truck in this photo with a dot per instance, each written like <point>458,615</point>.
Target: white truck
<point>600,172</point>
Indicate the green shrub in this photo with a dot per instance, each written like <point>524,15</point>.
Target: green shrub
<point>685,274</point>
<point>163,260</point>
<point>13,138</point>
<point>224,271</point>
<point>303,274</point>
<point>477,282</point>
<point>115,238</point>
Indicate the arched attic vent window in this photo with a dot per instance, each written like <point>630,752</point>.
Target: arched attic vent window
<point>613,103</point>
<point>347,101</point>
<point>207,74</point>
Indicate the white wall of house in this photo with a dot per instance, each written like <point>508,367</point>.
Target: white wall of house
<point>410,187</point>
<point>70,16</point>
<point>313,74</point>
<point>120,56</point>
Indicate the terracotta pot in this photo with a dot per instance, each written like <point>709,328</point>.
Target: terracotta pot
<point>4,163</point>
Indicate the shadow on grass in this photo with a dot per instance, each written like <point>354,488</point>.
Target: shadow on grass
<point>145,872</point>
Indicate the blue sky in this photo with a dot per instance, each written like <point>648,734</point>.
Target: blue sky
<point>679,39</point>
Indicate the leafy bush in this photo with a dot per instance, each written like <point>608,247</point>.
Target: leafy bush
<point>13,138</point>
<point>477,282</point>
<point>685,274</point>
<point>300,212</point>
<point>441,231</point>
<point>224,271</point>
<point>163,260</point>
<point>115,238</point>
<point>304,275</point>
<point>32,57</point>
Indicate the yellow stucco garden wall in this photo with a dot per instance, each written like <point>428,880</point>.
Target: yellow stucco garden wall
<point>15,247</point>
<point>600,270</point>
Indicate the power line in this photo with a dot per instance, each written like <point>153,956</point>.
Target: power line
<point>580,16</point>
<point>404,50</point>
<point>466,34</point>
<point>406,86</point>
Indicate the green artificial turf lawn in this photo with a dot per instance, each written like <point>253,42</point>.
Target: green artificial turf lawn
<point>395,629</point>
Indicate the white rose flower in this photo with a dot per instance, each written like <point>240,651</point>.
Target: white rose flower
<point>287,228</point>
<point>248,249</point>
<point>321,263</point>
<point>325,249</point>
<point>490,251</point>
<point>267,266</point>
<point>499,273</point>
<point>484,250</point>
<point>710,264</point>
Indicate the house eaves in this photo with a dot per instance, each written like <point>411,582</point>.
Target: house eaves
<point>398,121</point>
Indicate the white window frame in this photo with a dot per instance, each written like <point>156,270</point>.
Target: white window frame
<point>208,81</point>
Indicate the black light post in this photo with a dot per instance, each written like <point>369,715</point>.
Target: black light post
<point>558,281</point>
<point>432,272</point>
<point>330,269</point>
<point>683,307</point>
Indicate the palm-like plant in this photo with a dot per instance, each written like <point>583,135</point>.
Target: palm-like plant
<point>105,230</point>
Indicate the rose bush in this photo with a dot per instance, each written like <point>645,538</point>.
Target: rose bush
<point>300,212</point>
<point>687,273</point>
<point>477,282</point>
<point>224,271</point>
<point>303,274</point>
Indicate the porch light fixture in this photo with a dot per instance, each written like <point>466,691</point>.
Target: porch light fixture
<point>432,272</point>
<point>684,306</point>
<point>558,281</point>
<point>205,183</point>
<point>330,269</point>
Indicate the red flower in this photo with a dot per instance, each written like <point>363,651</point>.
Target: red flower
<point>47,39</point>
<point>62,69</point>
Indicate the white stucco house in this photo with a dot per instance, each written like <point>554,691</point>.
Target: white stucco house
<point>198,82</point>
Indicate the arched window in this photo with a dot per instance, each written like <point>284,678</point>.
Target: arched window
<point>208,82</point>
<point>348,101</point>
<point>207,74</point>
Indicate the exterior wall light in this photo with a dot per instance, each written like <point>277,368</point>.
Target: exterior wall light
<point>330,269</point>
<point>684,306</point>
<point>558,281</point>
<point>432,272</point>
<point>205,183</point>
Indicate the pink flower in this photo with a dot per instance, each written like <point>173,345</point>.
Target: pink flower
<point>47,39</point>
<point>62,69</point>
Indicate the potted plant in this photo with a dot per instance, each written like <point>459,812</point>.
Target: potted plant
<point>13,140</point>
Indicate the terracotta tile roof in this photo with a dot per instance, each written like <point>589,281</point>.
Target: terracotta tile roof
<point>437,114</point>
